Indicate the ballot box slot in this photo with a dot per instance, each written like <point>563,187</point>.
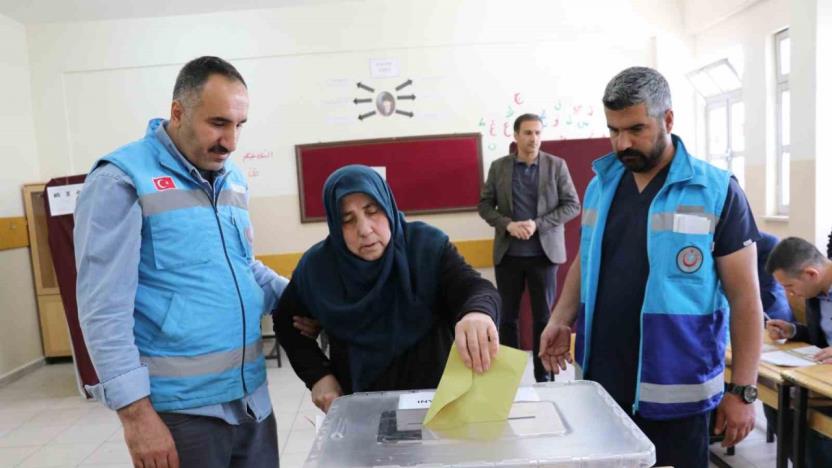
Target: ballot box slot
<point>526,419</point>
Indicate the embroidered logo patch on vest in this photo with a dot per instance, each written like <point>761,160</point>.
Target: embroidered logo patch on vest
<point>689,259</point>
<point>163,183</point>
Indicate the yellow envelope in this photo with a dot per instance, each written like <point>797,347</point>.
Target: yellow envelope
<point>465,397</point>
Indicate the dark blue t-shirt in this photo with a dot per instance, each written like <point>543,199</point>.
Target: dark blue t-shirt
<point>613,356</point>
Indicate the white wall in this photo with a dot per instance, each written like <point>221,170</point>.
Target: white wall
<point>95,84</point>
<point>702,14</point>
<point>820,14</point>
<point>747,39</point>
<point>19,333</point>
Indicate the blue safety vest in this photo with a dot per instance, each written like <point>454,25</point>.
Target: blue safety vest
<point>198,306</point>
<point>683,318</point>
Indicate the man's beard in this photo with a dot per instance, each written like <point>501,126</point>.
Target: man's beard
<point>636,161</point>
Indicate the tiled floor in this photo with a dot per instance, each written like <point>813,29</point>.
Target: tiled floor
<point>43,422</point>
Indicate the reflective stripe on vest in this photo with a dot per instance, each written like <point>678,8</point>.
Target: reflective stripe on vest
<point>589,217</point>
<point>214,363</point>
<point>689,224</point>
<point>232,198</point>
<point>168,200</point>
<point>682,393</point>
<point>579,371</point>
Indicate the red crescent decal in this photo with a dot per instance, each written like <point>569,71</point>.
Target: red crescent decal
<point>686,262</point>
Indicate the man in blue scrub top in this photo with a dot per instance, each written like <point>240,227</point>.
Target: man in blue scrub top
<point>663,234</point>
<point>169,294</point>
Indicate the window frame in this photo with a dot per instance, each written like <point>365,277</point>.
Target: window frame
<point>731,155</point>
<point>781,86</point>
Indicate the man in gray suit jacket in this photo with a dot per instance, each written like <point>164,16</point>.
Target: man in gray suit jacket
<point>528,197</point>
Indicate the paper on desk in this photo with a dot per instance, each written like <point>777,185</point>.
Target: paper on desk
<point>785,359</point>
<point>466,397</point>
<point>806,351</point>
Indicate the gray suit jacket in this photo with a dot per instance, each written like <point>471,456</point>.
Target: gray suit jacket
<point>557,203</point>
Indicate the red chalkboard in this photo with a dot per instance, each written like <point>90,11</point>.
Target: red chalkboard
<point>428,174</point>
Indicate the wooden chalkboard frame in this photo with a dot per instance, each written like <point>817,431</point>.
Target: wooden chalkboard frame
<point>305,155</point>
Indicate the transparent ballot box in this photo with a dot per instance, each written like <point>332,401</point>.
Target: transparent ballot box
<point>574,424</point>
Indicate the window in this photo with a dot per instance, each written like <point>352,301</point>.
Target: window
<point>782,67</point>
<point>725,133</point>
<point>721,87</point>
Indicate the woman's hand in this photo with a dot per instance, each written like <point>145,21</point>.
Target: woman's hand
<point>477,341</point>
<point>325,391</point>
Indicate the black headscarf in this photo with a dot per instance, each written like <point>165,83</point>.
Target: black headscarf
<point>378,308</point>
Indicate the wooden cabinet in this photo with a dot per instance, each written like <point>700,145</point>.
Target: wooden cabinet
<point>53,328</point>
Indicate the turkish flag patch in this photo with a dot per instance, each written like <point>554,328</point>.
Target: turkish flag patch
<point>163,183</point>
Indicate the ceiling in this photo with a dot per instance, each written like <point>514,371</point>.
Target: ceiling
<point>52,11</point>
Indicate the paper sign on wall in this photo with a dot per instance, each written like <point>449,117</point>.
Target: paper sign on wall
<point>384,68</point>
<point>382,171</point>
<point>62,198</point>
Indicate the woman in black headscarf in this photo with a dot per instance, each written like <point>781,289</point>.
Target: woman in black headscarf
<point>390,294</point>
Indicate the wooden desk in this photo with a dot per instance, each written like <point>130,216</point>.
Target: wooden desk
<point>774,391</point>
<point>817,379</point>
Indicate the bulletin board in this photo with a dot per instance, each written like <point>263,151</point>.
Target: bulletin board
<point>428,174</point>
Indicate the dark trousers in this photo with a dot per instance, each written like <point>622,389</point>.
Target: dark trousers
<point>513,274</point>
<point>206,442</point>
<point>681,443</point>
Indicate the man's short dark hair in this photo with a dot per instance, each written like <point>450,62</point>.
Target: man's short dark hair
<point>525,118</point>
<point>194,74</point>
<point>792,255</point>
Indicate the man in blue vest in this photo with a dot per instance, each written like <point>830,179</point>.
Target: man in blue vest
<point>663,234</point>
<point>169,294</point>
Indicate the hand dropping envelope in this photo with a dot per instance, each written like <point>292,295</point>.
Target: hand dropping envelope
<point>465,397</point>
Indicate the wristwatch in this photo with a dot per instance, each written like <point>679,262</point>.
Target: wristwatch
<point>748,393</point>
